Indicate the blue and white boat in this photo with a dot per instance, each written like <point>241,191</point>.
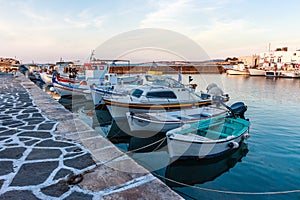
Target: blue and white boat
<point>68,89</point>
<point>211,137</point>
<point>94,73</point>
<point>163,121</point>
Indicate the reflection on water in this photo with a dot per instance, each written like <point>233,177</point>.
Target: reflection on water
<point>183,173</point>
<point>154,143</point>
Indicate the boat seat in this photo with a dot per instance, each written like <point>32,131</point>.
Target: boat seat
<point>222,135</point>
<point>233,126</point>
<point>205,125</point>
<point>199,137</point>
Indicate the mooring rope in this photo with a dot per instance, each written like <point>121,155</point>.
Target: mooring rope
<point>143,147</point>
<point>228,192</point>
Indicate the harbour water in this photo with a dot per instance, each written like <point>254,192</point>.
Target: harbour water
<point>268,170</point>
<point>272,164</point>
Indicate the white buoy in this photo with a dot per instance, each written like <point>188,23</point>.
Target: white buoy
<point>233,145</point>
<point>52,89</point>
<point>246,135</point>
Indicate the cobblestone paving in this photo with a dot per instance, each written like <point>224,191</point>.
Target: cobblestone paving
<point>33,163</point>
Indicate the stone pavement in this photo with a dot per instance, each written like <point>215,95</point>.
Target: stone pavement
<point>48,153</point>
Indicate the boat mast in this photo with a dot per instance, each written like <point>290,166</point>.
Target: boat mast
<point>92,55</point>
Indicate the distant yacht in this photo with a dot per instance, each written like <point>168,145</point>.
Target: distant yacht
<point>239,69</point>
<point>257,71</point>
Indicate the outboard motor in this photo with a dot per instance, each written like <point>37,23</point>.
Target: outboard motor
<point>238,109</point>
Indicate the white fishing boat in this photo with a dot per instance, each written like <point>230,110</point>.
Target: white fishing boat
<point>160,93</point>
<point>112,84</point>
<point>144,124</point>
<point>209,138</point>
<point>122,85</point>
<point>290,74</point>
<point>64,69</point>
<point>239,69</point>
<point>257,71</point>
<point>94,73</point>
<point>46,77</point>
<point>71,89</point>
<point>237,72</point>
<point>154,98</point>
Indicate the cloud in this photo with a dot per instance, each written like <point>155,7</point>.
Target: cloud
<point>168,14</point>
<point>215,25</point>
<point>182,14</point>
<point>84,19</point>
<point>32,15</point>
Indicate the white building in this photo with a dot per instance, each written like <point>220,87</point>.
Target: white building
<point>280,56</point>
<point>250,61</point>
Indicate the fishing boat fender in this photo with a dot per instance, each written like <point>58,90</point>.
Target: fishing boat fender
<point>233,145</point>
<point>246,135</point>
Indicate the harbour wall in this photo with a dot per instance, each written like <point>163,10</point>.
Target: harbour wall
<point>190,69</point>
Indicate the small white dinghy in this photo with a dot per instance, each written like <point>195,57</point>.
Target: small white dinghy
<point>211,137</point>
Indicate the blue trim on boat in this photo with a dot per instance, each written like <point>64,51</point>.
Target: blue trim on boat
<point>106,91</point>
<point>67,85</point>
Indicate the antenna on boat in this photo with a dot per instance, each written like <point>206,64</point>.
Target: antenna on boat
<point>180,74</point>
<point>128,63</point>
<point>92,55</point>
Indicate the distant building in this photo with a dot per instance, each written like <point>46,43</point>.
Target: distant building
<point>8,61</point>
<point>280,56</point>
<point>7,64</point>
<point>250,61</point>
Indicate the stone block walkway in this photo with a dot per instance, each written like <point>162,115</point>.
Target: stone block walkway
<point>47,153</point>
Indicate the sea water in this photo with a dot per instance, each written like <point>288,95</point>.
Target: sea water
<point>270,169</point>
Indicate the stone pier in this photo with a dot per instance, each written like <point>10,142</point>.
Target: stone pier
<point>46,152</point>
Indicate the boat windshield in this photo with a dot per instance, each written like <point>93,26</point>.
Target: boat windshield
<point>161,94</point>
<point>137,93</point>
<point>164,81</point>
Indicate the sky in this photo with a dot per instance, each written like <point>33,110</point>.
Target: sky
<point>50,30</point>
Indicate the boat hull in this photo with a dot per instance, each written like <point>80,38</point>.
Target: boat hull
<point>98,94</point>
<point>182,149</point>
<point>142,125</point>
<point>119,110</point>
<point>64,90</point>
<point>257,72</point>
<point>237,72</point>
<point>290,74</point>
<point>165,121</point>
<point>46,78</point>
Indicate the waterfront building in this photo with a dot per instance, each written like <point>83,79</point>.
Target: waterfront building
<point>250,61</point>
<point>280,56</point>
